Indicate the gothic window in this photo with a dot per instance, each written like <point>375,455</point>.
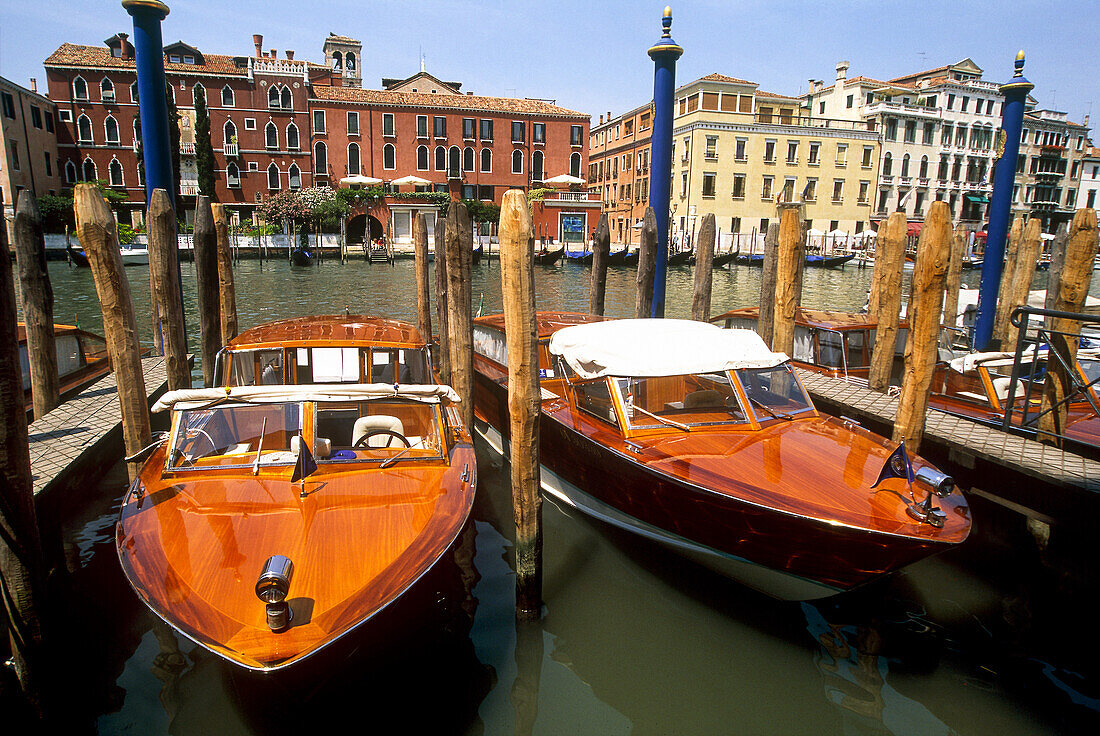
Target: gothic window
<point>230,131</point>
<point>84,129</point>
<point>115,172</point>
<point>295,177</point>
<point>110,126</point>
<point>292,137</point>
<point>272,176</point>
<point>273,96</point>
<point>106,90</point>
<point>287,100</point>
<point>80,89</point>
<point>195,93</point>
<point>89,173</point>
<point>271,136</point>
<point>227,96</point>
<point>70,172</point>
<point>233,176</point>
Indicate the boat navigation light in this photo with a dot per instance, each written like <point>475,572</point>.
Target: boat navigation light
<point>272,588</point>
<point>941,483</point>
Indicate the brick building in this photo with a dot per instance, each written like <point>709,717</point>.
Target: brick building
<point>28,154</point>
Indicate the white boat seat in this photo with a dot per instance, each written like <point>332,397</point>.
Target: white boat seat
<point>323,445</point>
<point>1000,386</point>
<point>240,448</point>
<point>364,425</point>
<point>703,398</point>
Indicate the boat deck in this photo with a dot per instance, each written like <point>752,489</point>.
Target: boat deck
<point>82,437</point>
<point>1029,477</point>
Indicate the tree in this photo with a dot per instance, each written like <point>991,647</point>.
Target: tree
<point>57,209</point>
<point>204,150</point>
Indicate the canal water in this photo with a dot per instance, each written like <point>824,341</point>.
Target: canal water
<point>989,638</point>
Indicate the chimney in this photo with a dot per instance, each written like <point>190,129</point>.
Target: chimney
<point>1086,122</point>
<point>842,71</point>
<point>258,39</point>
<point>609,116</point>
<point>34,88</point>
<point>126,47</point>
<point>289,54</point>
<point>274,54</point>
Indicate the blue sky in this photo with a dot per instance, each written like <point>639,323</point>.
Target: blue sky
<point>590,55</point>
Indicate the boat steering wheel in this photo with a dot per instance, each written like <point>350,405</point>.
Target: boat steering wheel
<point>361,442</point>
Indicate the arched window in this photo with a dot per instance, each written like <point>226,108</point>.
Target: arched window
<point>292,137</point>
<point>337,60</point>
<point>517,161</point>
<point>422,158</point>
<point>196,91</point>
<point>110,126</point>
<point>233,176</point>
<point>887,164</point>
<point>272,176</point>
<point>70,172</point>
<point>537,174</point>
<point>389,156</point>
<point>905,165</point>
<point>89,173</point>
<point>486,160</point>
<point>227,96</point>
<point>273,96</point>
<point>230,131</point>
<point>271,135</point>
<point>455,163</point>
<point>924,167</point>
<point>468,159</point>
<point>287,100</point>
<point>107,90</point>
<point>440,158</point>
<point>349,62</point>
<point>80,89</point>
<point>133,92</point>
<point>353,158</point>
<point>575,165</point>
<point>320,158</point>
<point>114,170</point>
<point>137,134</point>
<point>295,177</point>
<point>84,129</point>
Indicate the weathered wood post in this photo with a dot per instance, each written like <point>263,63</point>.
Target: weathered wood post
<point>1026,261</point>
<point>925,308</point>
<point>227,291</point>
<point>600,250</point>
<point>164,288</point>
<point>1071,287</point>
<point>441,299</point>
<point>517,274</point>
<point>766,322</point>
<point>704,267</point>
<point>647,262</point>
<point>790,260</point>
<point>96,228</point>
<point>460,255</point>
<point>1057,260</point>
<point>206,278</point>
<point>423,285</point>
<point>885,311</point>
<point>37,297</point>
<point>1004,309</point>
<point>21,566</point>
<point>954,277</point>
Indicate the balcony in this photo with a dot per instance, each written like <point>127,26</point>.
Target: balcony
<point>454,172</point>
<point>189,190</point>
<point>231,149</point>
<point>107,95</point>
<point>187,149</point>
<point>710,156</point>
<point>572,199</point>
<point>900,108</point>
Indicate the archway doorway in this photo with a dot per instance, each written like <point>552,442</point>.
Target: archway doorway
<point>357,228</point>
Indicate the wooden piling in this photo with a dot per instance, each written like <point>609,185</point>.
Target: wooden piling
<point>925,308</point>
<point>1071,287</point>
<point>704,267</point>
<point>517,273</point>
<point>164,288</point>
<point>1022,276</point>
<point>96,228</point>
<point>21,564</point>
<point>647,262</point>
<point>441,298</point>
<point>790,260</point>
<point>423,285</point>
<point>227,291</point>
<point>1057,260</point>
<point>954,277</point>
<point>1000,319</point>
<point>766,323</point>
<point>887,281</point>
<point>37,298</point>
<point>460,255</point>
<point>601,247</point>
<point>206,278</point>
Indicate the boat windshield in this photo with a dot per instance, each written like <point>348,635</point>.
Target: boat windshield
<point>774,393</point>
<point>692,400</point>
<point>236,435</point>
<point>315,365</point>
<point>379,430</point>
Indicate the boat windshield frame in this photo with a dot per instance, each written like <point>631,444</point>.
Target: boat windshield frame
<point>625,387</point>
<point>248,456</point>
<point>752,394</point>
<point>400,451</point>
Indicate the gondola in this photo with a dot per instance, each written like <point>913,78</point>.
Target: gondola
<point>301,257</point>
<point>549,256</point>
<point>828,261</point>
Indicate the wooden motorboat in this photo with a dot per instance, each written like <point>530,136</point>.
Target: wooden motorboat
<point>274,521</point>
<point>81,360</point>
<point>549,256</point>
<point>130,256</point>
<point>703,440</point>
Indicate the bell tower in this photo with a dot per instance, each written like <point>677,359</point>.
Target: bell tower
<point>345,55</point>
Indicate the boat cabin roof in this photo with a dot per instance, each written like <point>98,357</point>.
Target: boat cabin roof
<point>659,347</point>
<point>58,330</point>
<point>187,399</point>
<point>546,323</point>
<point>330,331</point>
<point>819,318</point>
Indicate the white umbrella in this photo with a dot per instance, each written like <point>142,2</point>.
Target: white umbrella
<point>564,179</point>
<point>360,179</point>
<point>410,180</point>
<point>814,232</point>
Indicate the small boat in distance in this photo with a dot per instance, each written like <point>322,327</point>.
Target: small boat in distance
<point>817,261</point>
<point>301,257</point>
<point>549,256</point>
<point>703,440</point>
<point>130,256</point>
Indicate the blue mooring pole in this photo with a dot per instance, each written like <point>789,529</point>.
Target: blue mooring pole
<point>149,59</point>
<point>1000,207</point>
<point>664,54</point>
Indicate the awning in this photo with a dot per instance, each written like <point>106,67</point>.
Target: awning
<point>184,399</point>
<point>977,198</point>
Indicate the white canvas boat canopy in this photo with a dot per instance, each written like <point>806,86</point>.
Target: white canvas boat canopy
<point>659,347</point>
<point>196,398</point>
